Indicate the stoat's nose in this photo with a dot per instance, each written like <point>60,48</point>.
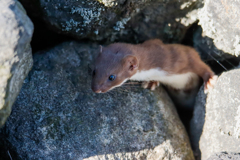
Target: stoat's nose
<point>96,89</point>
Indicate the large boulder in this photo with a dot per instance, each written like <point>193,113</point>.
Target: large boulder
<point>116,20</point>
<point>218,125</point>
<point>15,53</point>
<point>57,116</point>
<point>220,21</point>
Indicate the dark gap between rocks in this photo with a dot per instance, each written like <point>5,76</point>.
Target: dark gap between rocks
<point>188,38</point>
<point>43,38</point>
<point>6,151</point>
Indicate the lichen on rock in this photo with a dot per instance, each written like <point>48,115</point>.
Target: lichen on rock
<point>115,20</point>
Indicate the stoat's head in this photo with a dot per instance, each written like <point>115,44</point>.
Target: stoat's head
<point>114,65</point>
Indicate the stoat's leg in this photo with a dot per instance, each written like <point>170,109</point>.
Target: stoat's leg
<point>145,84</point>
<point>207,75</point>
<point>152,85</point>
<point>210,83</point>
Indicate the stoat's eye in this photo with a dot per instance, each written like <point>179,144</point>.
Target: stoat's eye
<point>94,72</point>
<point>111,78</point>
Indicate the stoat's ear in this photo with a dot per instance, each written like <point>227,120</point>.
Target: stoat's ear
<point>131,62</point>
<point>100,49</point>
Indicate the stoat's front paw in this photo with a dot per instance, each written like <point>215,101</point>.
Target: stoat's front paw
<point>152,85</point>
<point>210,84</point>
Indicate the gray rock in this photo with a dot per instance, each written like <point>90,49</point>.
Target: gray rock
<point>57,116</point>
<point>221,129</point>
<point>220,21</point>
<point>225,156</point>
<point>116,20</point>
<point>15,53</point>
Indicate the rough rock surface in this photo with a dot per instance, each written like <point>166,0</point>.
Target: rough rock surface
<point>57,116</point>
<point>15,53</point>
<point>225,156</point>
<point>116,20</point>
<point>220,21</point>
<point>221,129</point>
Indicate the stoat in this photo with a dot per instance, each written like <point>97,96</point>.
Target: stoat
<point>153,62</point>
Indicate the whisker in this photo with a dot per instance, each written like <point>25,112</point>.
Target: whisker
<point>109,93</point>
<point>122,90</point>
<point>218,62</point>
<point>215,59</point>
<point>130,86</point>
<point>9,155</point>
<point>225,60</point>
<point>132,82</point>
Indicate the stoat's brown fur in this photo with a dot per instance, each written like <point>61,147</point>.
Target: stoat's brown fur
<point>175,65</point>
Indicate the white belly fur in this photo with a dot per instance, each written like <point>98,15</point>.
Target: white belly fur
<point>178,81</point>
